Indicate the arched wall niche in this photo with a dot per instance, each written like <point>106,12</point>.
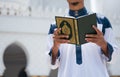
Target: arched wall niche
<point>15,50</point>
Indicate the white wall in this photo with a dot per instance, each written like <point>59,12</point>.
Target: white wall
<point>31,33</point>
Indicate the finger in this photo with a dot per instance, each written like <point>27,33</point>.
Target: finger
<point>62,40</point>
<point>91,40</point>
<point>97,30</point>
<point>60,36</point>
<point>91,35</point>
<point>56,32</point>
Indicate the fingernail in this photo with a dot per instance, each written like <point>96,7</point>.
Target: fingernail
<point>85,39</point>
<point>93,25</point>
<point>67,36</point>
<point>68,41</point>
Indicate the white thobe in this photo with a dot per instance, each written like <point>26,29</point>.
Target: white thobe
<point>93,59</point>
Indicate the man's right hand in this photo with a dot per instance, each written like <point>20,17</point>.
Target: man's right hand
<point>58,39</point>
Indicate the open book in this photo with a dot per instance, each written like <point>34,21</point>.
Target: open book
<point>77,28</point>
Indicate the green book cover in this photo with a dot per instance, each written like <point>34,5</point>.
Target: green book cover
<point>77,28</point>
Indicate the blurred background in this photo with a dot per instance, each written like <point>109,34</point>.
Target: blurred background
<point>24,26</point>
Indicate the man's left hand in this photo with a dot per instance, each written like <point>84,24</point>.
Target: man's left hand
<point>97,39</point>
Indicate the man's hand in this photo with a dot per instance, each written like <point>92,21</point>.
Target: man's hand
<point>98,39</point>
<point>58,39</point>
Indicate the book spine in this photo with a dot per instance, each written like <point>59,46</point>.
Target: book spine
<point>76,32</point>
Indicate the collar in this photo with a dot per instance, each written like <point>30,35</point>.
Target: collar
<point>78,13</point>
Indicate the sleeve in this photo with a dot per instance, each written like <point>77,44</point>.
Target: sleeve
<point>110,38</point>
<point>49,46</point>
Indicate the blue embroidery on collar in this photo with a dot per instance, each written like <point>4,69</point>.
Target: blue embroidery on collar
<point>78,13</point>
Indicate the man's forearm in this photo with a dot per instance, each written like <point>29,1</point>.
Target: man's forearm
<point>54,54</point>
<point>105,49</point>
